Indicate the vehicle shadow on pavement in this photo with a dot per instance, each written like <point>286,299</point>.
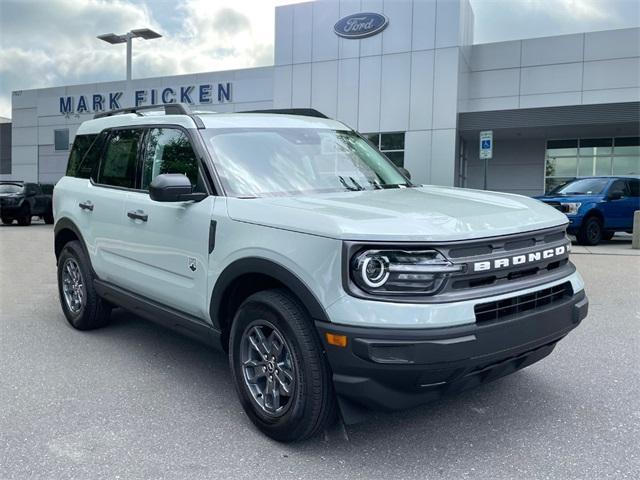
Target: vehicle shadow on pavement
<point>471,419</point>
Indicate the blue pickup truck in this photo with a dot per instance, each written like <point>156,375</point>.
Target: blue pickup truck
<point>597,207</point>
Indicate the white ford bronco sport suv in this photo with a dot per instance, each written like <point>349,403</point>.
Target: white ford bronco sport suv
<point>287,240</point>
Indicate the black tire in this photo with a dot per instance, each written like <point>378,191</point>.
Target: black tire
<point>7,221</point>
<point>608,235</point>
<point>93,311</point>
<point>312,405</point>
<point>25,219</point>
<point>48,218</point>
<point>590,232</point>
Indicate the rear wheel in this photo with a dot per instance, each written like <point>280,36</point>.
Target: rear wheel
<point>48,217</point>
<point>279,368</point>
<point>25,218</point>
<point>81,305</point>
<point>590,232</point>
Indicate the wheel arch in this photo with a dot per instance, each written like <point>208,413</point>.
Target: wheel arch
<point>250,275</point>
<point>65,231</point>
<point>593,212</point>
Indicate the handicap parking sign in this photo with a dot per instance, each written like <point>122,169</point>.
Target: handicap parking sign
<point>486,144</point>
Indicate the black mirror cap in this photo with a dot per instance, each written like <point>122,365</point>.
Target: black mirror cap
<point>170,187</point>
<point>405,172</point>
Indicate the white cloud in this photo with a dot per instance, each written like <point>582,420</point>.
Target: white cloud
<point>48,43</point>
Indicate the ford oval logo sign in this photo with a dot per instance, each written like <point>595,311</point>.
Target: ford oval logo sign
<point>360,25</point>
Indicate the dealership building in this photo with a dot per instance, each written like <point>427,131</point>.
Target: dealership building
<point>406,74</point>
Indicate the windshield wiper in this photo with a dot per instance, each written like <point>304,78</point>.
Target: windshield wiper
<point>351,188</point>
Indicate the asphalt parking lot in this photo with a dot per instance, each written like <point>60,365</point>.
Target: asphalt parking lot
<point>136,401</point>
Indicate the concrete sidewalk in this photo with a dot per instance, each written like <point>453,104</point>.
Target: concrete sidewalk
<point>620,244</point>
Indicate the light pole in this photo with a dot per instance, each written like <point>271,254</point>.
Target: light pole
<point>127,38</point>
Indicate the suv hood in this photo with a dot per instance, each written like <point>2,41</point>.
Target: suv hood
<point>404,214</point>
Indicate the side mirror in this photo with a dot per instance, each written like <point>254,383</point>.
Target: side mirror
<point>615,195</point>
<point>173,187</point>
<point>405,172</point>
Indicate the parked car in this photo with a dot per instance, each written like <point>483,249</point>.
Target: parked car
<point>597,207</point>
<point>293,244</point>
<point>23,200</point>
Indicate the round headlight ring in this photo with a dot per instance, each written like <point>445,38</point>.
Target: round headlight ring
<point>374,271</point>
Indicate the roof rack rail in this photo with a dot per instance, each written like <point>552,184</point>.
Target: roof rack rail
<point>169,109</point>
<point>307,112</point>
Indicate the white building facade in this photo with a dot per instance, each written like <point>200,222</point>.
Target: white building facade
<point>558,107</point>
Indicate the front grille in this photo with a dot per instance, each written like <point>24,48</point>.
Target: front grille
<point>557,206</point>
<point>498,310</point>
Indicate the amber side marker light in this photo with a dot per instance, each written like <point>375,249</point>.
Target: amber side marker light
<point>337,340</point>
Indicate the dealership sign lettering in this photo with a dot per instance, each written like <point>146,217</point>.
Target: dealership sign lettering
<point>191,94</point>
<point>360,25</point>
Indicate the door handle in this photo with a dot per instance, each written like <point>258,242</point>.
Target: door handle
<point>138,215</point>
<point>86,205</point>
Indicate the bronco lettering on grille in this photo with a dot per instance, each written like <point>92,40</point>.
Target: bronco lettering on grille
<point>521,259</point>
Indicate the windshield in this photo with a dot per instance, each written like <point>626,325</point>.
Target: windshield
<point>10,188</point>
<point>584,186</point>
<point>262,162</point>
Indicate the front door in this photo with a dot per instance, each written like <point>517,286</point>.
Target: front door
<point>168,242</point>
<point>619,211</point>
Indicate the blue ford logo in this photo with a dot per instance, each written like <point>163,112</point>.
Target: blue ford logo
<point>360,25</point>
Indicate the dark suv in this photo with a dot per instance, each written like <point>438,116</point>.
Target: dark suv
<point>23,200</point>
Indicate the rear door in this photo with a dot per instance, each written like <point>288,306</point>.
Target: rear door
<point>104,200</point>
<point>167,243</point>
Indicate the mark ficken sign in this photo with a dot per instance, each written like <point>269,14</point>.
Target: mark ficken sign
<point>204,94</point>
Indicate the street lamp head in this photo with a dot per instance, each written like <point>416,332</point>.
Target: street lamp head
<point>112,38</point>
<point>145,33</point>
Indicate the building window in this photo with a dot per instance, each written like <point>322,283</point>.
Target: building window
<point>61,139</point>
<point>585,157</point>
<point>391,144</point>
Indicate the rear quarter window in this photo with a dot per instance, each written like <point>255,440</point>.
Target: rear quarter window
<point>84,156</point>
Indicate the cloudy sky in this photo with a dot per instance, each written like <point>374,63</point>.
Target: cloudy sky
<point>52,42</point>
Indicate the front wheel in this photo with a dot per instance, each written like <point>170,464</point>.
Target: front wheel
<point>279,369</point>
<point>590,232</point>
<point>608,235</point>
<point>7,220</point>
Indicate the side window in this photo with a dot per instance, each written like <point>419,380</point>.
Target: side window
<point>619,186</point>
<point>30,189</point>
<point>80,147</point>
<point>168,150</point>
<point>634,187</point>
<point>118,166</point>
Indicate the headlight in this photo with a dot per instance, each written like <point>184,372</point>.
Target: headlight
<point>398,272</point>
<point>570,208</point>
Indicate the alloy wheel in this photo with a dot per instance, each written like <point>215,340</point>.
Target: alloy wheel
<point>73,286</point>
<point>268,367</point>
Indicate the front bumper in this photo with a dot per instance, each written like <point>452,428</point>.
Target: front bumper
<point>10,210</point>
<point>575,222</point>
<point>391,369</point>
